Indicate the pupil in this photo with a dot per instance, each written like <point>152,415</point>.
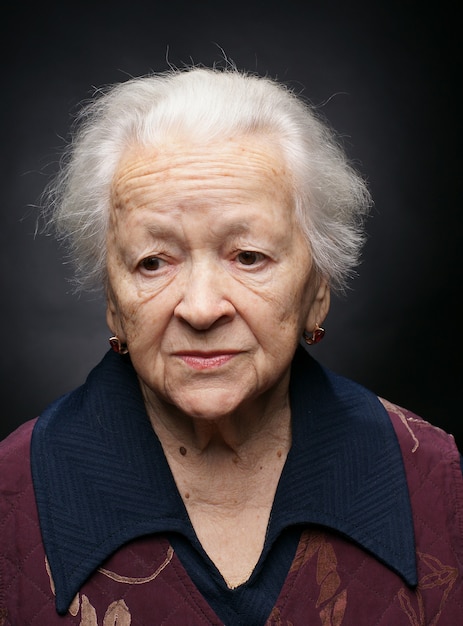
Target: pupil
<point>151,264</point>
<point>248,258</point>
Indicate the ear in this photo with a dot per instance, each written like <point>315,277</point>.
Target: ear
<point>320,306</point>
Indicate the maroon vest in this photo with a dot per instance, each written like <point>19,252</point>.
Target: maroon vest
<point>332,582</point>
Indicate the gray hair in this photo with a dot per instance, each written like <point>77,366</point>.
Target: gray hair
<point>331,199</point>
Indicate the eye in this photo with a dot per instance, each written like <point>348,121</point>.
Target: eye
<point>249,257</point>
<point>152,263</point>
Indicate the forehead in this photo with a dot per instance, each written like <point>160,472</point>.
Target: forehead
<point>234,170</point>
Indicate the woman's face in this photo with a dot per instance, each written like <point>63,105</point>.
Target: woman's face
<point>210,281</point>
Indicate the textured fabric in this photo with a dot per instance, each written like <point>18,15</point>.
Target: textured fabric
<point>333,581</point>
<point>101,478</point>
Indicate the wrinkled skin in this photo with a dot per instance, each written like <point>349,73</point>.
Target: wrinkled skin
<point>210,281</point>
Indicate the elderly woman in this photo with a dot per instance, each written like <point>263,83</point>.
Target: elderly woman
<point>210,471</point>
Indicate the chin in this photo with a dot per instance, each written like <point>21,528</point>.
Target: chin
<point>209,407</point>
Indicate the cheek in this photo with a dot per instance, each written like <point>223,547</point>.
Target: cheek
<point>129,309</point>
<point>137,318</point>
<point>294,301</point>
<point>145,324</point>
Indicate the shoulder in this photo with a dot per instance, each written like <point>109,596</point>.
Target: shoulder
<point>15,470</point>
<point>16,489</point>
<point>432,465</point>
<point>430,454</point>
<point>27,593</point>
<point>415,433</point>
<point>15,449</point>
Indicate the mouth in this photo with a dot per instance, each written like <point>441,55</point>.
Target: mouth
<point>199,360</point>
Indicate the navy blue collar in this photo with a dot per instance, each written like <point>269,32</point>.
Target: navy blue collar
<point>101,478</point>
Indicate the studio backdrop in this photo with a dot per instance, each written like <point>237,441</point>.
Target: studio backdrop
<point>386,75</point>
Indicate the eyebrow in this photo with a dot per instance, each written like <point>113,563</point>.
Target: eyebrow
<point>171,232</point>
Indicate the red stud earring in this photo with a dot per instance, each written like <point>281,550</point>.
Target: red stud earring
<point>117,346</point>
<point>315,336</point>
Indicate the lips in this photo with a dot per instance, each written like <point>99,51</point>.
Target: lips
<point>206,360</point>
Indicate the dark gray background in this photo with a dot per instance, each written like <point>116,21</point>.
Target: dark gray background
<point>387,75</point>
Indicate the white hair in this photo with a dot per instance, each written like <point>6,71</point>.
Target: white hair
<point>331,199</point>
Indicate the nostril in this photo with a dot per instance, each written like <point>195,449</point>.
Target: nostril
<point>202,311</point>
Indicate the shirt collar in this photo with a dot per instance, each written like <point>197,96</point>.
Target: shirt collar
<point>346,461</point>
<point>101,478</point>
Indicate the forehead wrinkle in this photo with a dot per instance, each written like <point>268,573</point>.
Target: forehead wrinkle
<point>216,164</point>
<point>252,150</point>
<point>186,198</point>
<point>151,186</point>
<point>201,176</point>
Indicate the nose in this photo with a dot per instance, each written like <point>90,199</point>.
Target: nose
<point>205,300</point>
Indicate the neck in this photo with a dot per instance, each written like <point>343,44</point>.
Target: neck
<point>242,436</point>
<point>227,471</point>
